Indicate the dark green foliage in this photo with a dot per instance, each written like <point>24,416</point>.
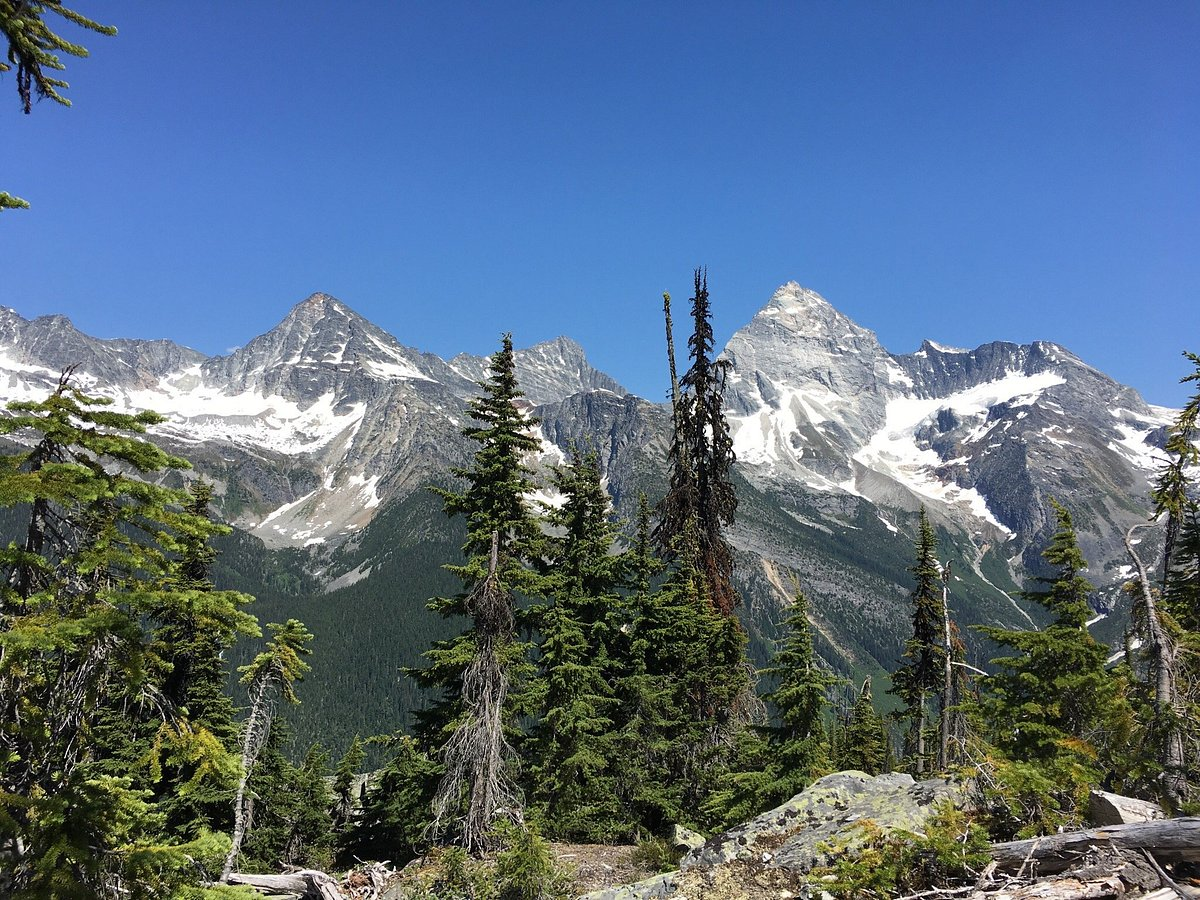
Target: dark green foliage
<point>863,742</point>
<point>700,500</point>
<point>290,823</point>
<point>470,723</point>
<point>273,673</point>
<point>396,815</point>
<point>695,658</point>
<point>526,870</point>
<point>572,749</point>
<point>798,743</point>
<point>1183,589</point>
<point>920,673</point>
<point>1055,705</point>
<point>777,761</point>
<point>1170,492</point>
<point>343,782</point>
<point>493,503</point>
<point>96,574</point>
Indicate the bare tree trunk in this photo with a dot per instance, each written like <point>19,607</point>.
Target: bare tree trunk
<point>922,763</point>
<point>258,725</point>
<point>476,753</point>
<point>1162,672</point>
<point>1170,840</point>
<point>947,675</point>
<point>671,357</point>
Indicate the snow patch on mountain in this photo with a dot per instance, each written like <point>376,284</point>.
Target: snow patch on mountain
<point>895,451</point>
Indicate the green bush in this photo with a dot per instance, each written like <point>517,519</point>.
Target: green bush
<point>655,854</point>
<point>952,850</point>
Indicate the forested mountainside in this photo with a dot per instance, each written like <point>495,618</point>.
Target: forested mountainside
<point>322,436</point>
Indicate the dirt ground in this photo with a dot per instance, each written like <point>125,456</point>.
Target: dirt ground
<point>599,866</point>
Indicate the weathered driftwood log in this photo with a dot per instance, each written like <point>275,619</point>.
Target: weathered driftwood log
<point>305,883</point>
<point>1170,840</point>
<point>1108,887</point>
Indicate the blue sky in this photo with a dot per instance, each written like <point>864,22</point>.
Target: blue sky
<point>966,172</point>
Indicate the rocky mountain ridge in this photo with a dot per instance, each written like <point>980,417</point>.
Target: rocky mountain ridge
<point>313,429</point>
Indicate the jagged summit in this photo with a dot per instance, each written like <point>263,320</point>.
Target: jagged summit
<point>547,372</point>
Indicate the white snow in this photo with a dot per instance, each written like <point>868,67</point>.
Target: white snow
<point>941,348</point>
<point>367,489</point>
<point>893,450</point>
<point>1132,445</point>
<point>896,375</point>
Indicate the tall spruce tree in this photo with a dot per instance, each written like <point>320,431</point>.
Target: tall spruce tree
<point>778,760</point>
<point>800,699</point>
<point>472,673</point>
<point>640,720</point>
<point>701,663</point>
<point>921,670</point>
<point>573,748</point>
<point>863,744</point>
<point>1054,705</point>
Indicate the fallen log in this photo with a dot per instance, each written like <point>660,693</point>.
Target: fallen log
<point>1169,840</point>
<point>1106,888</point>
<point>305,883</point>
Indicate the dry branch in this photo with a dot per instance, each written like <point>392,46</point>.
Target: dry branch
<point>305,883</point>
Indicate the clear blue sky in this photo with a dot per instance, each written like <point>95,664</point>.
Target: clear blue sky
<point>961,171</point>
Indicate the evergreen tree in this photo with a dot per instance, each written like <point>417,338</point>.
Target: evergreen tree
<point>189,643</point>
<point>273,672</point>
<point>1054,705</point>
<point>290,814</point>
<point>96,570</point>
<point>863,744</point>
<point>698,661</point>
<point>468,723</point>
<point>800,699</point>
<point>395,818</point>
<point>700,496</point>
<point>1170,492</point>
<point>640,719</point>
<point>33,49</point>
<point>921,669</point>
<point>493,502</point>
<point>777,761</point>
<point>573,748</point>
<point>344,798</point>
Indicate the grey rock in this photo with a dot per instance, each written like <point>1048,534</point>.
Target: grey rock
<point>827,813</point>
<point>650,889</point>
<point>686,839</point>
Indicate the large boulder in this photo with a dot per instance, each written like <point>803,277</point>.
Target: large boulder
<point>791,836</point>
<point>777,848</point>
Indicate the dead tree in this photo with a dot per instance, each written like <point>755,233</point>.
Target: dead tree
<point>1161,653</point>
<point>477,753</point>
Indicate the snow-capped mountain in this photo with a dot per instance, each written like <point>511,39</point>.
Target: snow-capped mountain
<point>981,437</point>
<point>317,429</point>
<point>306,429</point>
